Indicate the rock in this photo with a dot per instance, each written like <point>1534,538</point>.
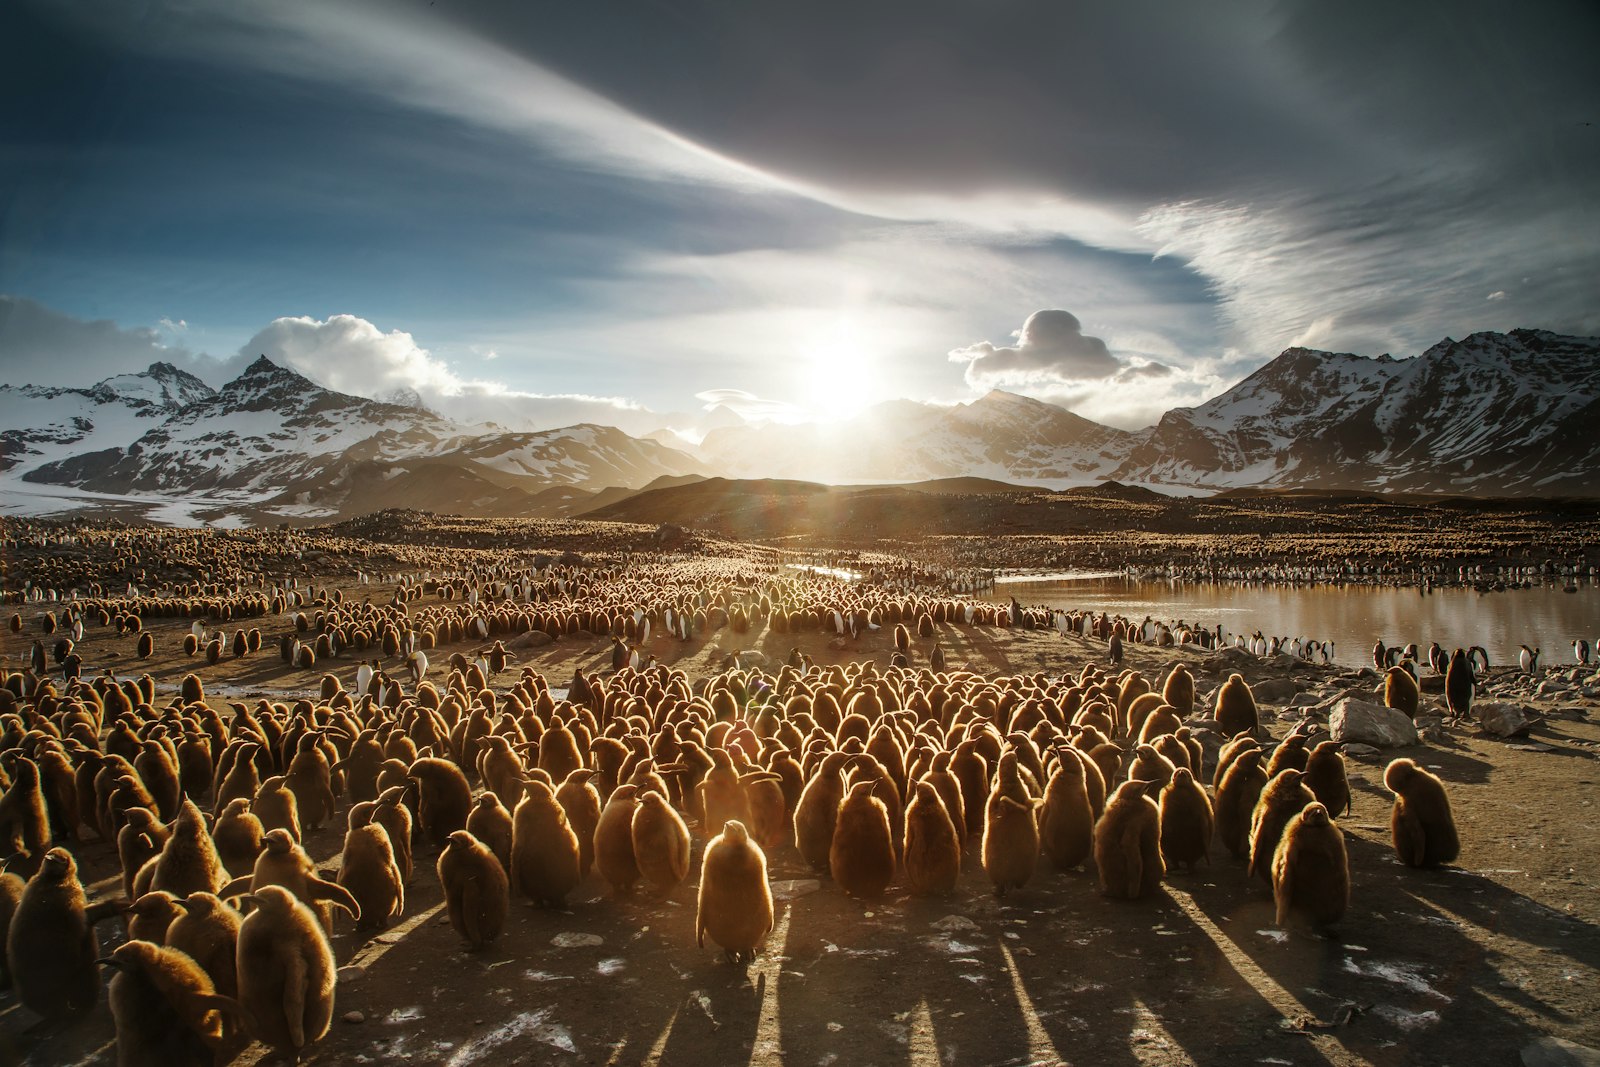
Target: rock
<point>1432,683</point>
<point>351,973</point>
<point>1558,1052</point>
<point>749,658</point>
<point>799,887</point>
<point>1305,700</point>
<point>1227,660</point>
<point>1357,749</point>
<point>1501,718</point>
<point>354,1017</point>
<point>532,639</point>
<point>1274,690</point>
<point>1374,724</point>
<point>1551,687</point>
<point>955,924</point>
<point>572,940</point>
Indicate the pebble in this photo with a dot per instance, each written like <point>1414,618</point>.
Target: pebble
<point>352,973</point>
<point>354,1017</point>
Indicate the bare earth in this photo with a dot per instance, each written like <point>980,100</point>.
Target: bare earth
<point>1470,964</point>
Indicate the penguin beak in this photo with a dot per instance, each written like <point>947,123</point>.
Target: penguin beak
<point>107,961</point>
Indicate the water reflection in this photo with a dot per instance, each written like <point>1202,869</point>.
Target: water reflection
<point>1353,617</point>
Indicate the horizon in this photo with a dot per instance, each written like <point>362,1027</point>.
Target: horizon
<point>525,224</point>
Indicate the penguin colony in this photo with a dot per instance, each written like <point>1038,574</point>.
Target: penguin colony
<point>878,777</point>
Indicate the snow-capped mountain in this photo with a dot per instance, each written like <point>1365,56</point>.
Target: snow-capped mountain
<point>1491,414</point>
<point>275,443</point>
<point>40,424</point>
<point>1000,435</point>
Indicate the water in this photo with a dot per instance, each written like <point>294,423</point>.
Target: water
<point>1353,617</point>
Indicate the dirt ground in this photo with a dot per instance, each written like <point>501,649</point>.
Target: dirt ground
<point>1469,964</point>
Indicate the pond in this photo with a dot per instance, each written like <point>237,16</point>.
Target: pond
<point>1352,617</point>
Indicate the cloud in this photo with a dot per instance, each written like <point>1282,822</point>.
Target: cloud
<point>749,406</point>
<point>352,355</point>
<point>42,346</point>
<point>1051,348</point>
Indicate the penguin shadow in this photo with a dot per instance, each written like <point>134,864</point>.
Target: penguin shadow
<point>901,978</point>
<point>1396,968</point>
<point>1559,741</point>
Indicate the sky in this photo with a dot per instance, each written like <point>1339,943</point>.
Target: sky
<point>630,213</point>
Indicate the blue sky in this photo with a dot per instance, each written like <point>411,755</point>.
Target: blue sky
<point>623,211</point>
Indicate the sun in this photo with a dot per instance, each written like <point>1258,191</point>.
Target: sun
<point>837,374</point>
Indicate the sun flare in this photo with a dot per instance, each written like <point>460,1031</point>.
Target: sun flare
<point>837,374</point>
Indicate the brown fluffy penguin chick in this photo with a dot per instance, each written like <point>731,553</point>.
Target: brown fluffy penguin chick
<point>581,801</point>
<point>1311,870</point>
<point>392,814</point>
<point>660,843</point>
<point>613,840</point>
<point>1236,801</point>
<point>861,856</point>
<point>490,823</point>
<point>189,862</point>
<point>138,842</point>
<point>1326,777</point>
<point>11,888</point>
<point>477,893</point>
<point>370,873</point>
<point>275,805</point>
<point>544,850</point>
<point>1178,691</point>
<point>1424,831</point>
<point>932,845</point>
<point>286,972</point>
<point>1150,766</point>
<point>238,836</point>
<point>1236,710</point>
<point>284,863</point>
<point>51,948</point>
<point>735,904</point>
<point>1283,797</point>
<point>444,798</point>
<point>1010,843</point>
<point>208,930</point>
<point>1290,755</point>
<point>151,915</point>
<point>24,819</point>
<point>1066,819</point>
<point>1127,843</point>
<point>1401,693</point>
<point>162,1002</point>
<point>1230,751</point>
<point>818,811</point>
<point>1187,821</point>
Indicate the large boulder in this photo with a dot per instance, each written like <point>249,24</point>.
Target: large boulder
<point>1502,718</point>
<point>1274,690</point>
<point>1372,724</point>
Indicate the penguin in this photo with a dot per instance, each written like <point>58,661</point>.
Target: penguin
<point>24,820</point>
<point>1529,660</point>
<point>735,900</point>
<point>816,814</point>
<point>477,893</point>
<point>1289,755</point>
<point>50,946</point>
<point>545,856</point>
<point>660,843</point>
<point>490,824</point>
<point>1283,797</point>
<point>1459,684</point>
<point>932,848</point>
<point>11,889</point>
<point>150,915</point>
<point>1236,801</point>
<point>1580,652</point>
<point>1066,818</point>
<point>1127,843</point>
<point>613,840</point>
<point>1229,752</point>
<point>1401,693</point>
<point>1114,650</point>
<point>369,872</point>
<point>1187,821</point>
<point>1311,869</point>
<point>237,836</point>
<point>163,1005</point>
<point>189,861</point>
<point>1422,826</point>
<point>1326,777</point>
<point>862,854</point>
<point>1010,850</point>
<point>207,930</point>
<point>284,863</point>
<point>581,801</point>
<point>444,798</point>
<point>1380,656</point>
<point>1235,709</point>
<point>286,974</point>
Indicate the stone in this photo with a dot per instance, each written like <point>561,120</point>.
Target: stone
<point>352,973</point>
<point>532,639</point>
<point>354,1017</point>
<point>1501,718</point>
<point>1373,724</point>
<point>1274,690</point>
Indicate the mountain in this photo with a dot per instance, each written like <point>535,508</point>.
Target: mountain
<point>1001,436</point>
<point>273,443</point>
<point>1493,414</point>
<point>43,424</point>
